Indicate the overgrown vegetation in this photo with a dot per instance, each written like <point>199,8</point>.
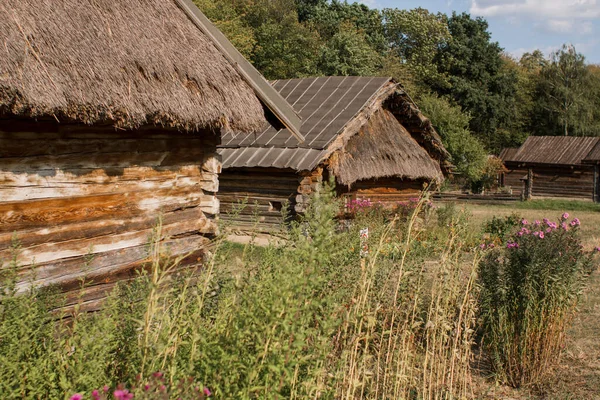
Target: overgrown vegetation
<point>334,312</point>
<point>529,290</point>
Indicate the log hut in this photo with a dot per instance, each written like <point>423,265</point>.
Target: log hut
<point>365,132</point>
<point>110,114</point>
<point>551,166</point>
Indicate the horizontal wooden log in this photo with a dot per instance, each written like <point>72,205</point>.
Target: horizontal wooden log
<point>69,272</point>
<point>41,213</point>
<point>17,187</point>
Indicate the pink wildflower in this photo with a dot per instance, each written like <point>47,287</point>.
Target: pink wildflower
<point>76,396</point>
<point>520,233</point>
<point>563,226</point>
<point>482,246</point>
<point>105,389</point>
<point>491,246</point>
<point>546,220</point>
<point>575,222</point>
<point>597,248</point>
<point>548,230</point>
<point>536,222</point>
<point>524,222</point>
<point>541,235</point>
<point>565,216</point>
<point>536,233</point>
<point>95,395</point>
<point>207,392</point>
<point>122,394</point>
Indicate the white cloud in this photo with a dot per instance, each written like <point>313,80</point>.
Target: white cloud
<point>559,25</point>
<point>553,16</point>
<point>556,9</point>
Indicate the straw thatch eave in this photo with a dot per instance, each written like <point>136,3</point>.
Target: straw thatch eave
<point>128,63</point>
<point>383,148</point>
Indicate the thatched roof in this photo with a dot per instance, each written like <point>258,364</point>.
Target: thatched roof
<point>554,150</point>
<point>384,148</point>
<point>125,62</point>
<point>333,110</point>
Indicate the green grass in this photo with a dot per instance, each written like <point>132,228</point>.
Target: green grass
<point>553,204</point>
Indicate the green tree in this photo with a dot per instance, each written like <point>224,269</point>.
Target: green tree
<point>468,153</point>
<point>414,36</point>
<point>566,103</point>
<point>231,22</point>
<point>479,84</point>
<point>349,53</point>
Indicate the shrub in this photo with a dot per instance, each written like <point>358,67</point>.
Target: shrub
<point>499,229</point>
<point>529,290</point>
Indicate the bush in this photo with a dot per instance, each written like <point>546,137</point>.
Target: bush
<point>499,229</point>
<point>529,290</point>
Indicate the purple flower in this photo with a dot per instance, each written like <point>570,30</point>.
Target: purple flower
<point>553,225</point>
<point>207,392</point>
<point>520,233</point>
<point>575,222</point>
<point>482,246</point>
<point>541,235</point>
<point>524,222</point>
<point>491,246</point>
<point>565,216</point>
<point>563,226</point>
<point>76,396</point>
<point>548,230</point>
<point>546,220</point>
<point>597,248</point>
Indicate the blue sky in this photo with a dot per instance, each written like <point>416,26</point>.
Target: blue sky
<point>525,25</point>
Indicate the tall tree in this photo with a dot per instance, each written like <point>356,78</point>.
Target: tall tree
<point>478,82</point>
<point>414,37</point>
<point>564,93</point>
<point>348,52</point>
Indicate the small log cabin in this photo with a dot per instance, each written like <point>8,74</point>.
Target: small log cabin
<point>110,114</point>
<point>551,166</point>
<point>365,132</point>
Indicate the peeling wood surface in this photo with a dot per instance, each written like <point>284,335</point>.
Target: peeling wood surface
<point>83,201</point>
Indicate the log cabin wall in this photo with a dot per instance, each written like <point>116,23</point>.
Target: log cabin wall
<point>253,198</point>
<point>83,201</point>
<point>553,180</point>
<point>388,191</point>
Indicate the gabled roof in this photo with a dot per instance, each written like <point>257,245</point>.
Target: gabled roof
<point>556,150</point>
<point>333,109</point>
<point>325,104</point>
<point>129,63</point>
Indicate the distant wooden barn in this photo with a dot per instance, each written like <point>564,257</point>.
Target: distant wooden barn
<point>553,166</point>
<point>110,113</point>
<point>365,132</point>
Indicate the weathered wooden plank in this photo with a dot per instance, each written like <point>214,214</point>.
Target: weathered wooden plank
<point>89,229</point>
<point>16,187</point>
<point>104,266</point>
<point>41,213</point>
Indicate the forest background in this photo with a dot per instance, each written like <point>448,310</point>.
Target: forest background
<point>479,98</point>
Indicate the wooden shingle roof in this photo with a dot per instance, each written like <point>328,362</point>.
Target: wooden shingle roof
<point>557,150</point>
<point>325,104</point>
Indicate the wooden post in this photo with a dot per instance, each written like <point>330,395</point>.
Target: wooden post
<point>529,184</point>
<point>596,176</point>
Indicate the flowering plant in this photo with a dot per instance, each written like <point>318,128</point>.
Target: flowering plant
<point>155,388</point>
<point>529,289</point>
